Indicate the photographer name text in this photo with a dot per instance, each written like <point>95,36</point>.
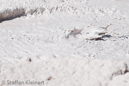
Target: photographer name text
<point>27,82</point>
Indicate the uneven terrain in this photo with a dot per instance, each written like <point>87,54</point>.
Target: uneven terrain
<point>64,42</point>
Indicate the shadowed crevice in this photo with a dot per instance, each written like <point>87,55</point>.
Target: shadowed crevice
<point>18,12</point>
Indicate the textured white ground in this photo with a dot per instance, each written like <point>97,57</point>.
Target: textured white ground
<point>42,34</point>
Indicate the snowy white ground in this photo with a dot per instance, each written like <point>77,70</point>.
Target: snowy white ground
<point>74,60</point>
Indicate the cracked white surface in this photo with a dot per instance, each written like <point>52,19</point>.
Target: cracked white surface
<point>67,71</point>
<point>43,39</point>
